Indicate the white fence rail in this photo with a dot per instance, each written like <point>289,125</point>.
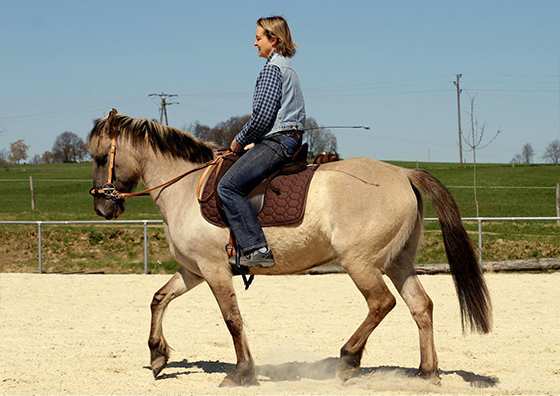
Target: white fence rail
<point>41,224</point>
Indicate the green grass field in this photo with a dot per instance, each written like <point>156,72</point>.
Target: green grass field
<point>57,199</point>
<point>62,194</point>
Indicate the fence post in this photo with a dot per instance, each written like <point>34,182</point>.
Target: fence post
<point>145,247</point>
<point>558,202</point>
<point>480,243</point>
<point>32,193</point>
<point>39,247</point>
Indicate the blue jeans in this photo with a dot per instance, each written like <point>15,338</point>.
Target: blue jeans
<point>244,175</point>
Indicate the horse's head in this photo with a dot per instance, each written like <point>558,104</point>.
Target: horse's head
<point>121,146</point>
<point>113,170</point>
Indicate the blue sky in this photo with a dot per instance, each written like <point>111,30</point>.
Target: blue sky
<point>390,66</point>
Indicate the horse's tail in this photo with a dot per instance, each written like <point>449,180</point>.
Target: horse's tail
<point>474,298</point>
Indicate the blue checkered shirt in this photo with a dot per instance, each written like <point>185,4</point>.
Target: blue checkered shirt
<point>266,103</point>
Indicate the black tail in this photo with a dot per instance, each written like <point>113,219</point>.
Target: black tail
<point>474,298</point>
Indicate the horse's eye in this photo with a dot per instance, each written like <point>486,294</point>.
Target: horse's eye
<point>101,160</point>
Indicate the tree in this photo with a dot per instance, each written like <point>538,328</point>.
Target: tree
<point>552,152</point>
<point>69,147</point>
<point>36,160</point>
<point>4,155</point>
<point>47,157</point>
<point>516,160</point>
<point>18,151</point>
<point>319,140</point>
<point>527,153</point>
<point>474,142</point>
<point>223,133</point>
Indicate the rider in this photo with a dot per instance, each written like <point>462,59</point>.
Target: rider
<point>275,128</point>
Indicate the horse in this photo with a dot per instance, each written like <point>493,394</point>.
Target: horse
<point>364,214</point>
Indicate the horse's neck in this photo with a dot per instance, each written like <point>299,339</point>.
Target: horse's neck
<point>175,198</point>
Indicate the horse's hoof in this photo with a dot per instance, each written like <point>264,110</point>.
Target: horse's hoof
<point>234,380</point>
<point>346,373</point>
<point>228,382</point>
<point>432,377</point>
<point>158,364</point>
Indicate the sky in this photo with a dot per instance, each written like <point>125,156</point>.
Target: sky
<point>388,65</point>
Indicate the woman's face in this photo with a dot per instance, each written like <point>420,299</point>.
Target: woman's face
<point>263,44</point>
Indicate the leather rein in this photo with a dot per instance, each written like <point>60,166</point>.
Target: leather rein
<point>110,191</point>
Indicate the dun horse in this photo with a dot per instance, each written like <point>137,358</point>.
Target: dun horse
<point>364,214</point>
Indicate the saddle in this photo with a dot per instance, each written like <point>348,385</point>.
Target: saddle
<point>279,200</point>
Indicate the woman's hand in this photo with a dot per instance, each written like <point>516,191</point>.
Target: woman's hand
<point>235,146</point>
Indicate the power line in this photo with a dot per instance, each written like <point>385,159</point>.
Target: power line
<point>163,105</point>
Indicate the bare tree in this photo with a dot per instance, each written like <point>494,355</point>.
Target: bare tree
<point>516,160</point>
<point>475,142</point>
<point>18,151</point>
<point>47,157</point>
<point>319,140</point>
<point>4,156</point>
<point>527,153</point>
<point>36,159</point>
<point>552,152</point>
<point>223,133</point>
<point>69,147</point>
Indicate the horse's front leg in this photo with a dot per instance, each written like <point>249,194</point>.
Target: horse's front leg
<point>179,283</point>
<point>244,373</point>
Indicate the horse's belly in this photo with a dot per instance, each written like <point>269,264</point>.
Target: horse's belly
<point>360,204</point>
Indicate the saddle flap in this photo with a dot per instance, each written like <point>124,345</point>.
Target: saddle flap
<point>256,197</point>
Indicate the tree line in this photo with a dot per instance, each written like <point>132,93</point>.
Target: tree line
<point>69,147</point>
<point>319,140</point>
<point>527,154</point>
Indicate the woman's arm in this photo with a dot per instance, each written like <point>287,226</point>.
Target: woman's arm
<point>266,103</point>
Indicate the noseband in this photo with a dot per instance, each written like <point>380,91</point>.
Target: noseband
<point>108,190</point>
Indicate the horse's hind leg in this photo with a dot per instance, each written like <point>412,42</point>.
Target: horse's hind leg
<point>403,275</point>
<point>380,301</point>
<point>179,283</point>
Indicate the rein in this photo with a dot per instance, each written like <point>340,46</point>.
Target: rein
<point>109,190</point>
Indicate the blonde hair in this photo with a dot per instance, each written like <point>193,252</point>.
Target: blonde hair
<point>277,27</point>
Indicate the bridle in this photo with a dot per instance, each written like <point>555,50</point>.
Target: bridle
<point>110,191</point>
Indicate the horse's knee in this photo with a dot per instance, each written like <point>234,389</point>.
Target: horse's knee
<point>390,303</point>
<point>383,306</point>
<point>157,299</point>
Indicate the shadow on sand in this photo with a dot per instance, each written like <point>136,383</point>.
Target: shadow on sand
<point>320,370</point>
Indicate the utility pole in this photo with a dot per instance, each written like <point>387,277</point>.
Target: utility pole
<point>163,105</point>
<point>457,84</point>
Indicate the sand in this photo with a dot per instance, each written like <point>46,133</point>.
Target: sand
<point>87,334</point>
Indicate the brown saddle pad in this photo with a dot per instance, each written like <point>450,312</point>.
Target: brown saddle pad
<point>279,200</point>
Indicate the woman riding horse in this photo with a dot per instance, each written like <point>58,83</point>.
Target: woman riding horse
<point>275,128</point>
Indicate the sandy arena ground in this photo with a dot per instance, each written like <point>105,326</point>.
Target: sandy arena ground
<point>87,334</point>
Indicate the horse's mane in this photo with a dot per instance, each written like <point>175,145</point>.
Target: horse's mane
<point>163,139</point>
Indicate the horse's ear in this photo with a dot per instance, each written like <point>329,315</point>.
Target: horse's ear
<point>109,125</point>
